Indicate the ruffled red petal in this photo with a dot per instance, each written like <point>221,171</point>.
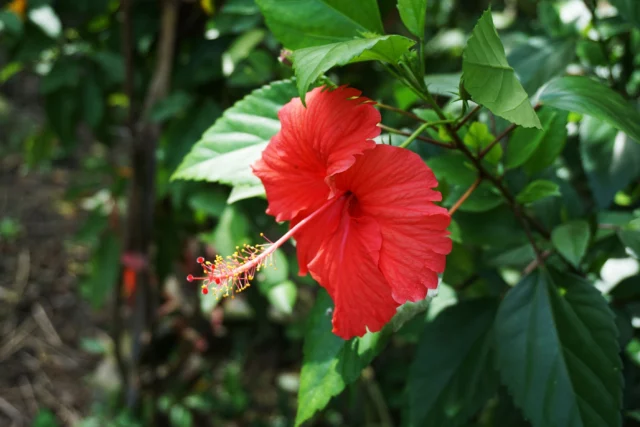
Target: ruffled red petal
<point>346,265</point>
<point>313,144</point>
<point>393,186</point>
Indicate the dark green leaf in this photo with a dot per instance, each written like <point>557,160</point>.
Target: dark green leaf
<point>304,23</point>
<point>413,14</point>
<point>105,267</point>
<point>64,73</point>
<point>236,140</point>
<point>630,237</point>
<point>536,190</point>
<point>10,22</point>
<point>629,10</point>
<point>452,375</point>
<point>170,106</point>
<point>572,240</point>
<point>627,289</point>
<point>610,159</point>
<point>550,19</point>
<point>92,102</point>
<point>330,363</point>
<point>45,418</point>
<point>557,352</point>
<point>536,149</point>
<point>312,62</point>
<point>490,80</point>
<point>539,60</point>
<point>586,96</point>
<point>454,168</point>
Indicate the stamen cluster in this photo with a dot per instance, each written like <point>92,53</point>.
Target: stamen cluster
<point>233,274</point>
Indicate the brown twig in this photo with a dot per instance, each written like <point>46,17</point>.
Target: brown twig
<point>493,143</point>
<point>465,196</point>
<point>400,111</point>
<point>468,117</point>
<point>536,262</point>
<point>419,138</point>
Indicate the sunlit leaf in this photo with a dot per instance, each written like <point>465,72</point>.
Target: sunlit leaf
<point>310,63</point>
<point>413,13</point>
<point>304,23</point>
<point>490,80</point>
<point>586,96</point>
<point>227,149</point>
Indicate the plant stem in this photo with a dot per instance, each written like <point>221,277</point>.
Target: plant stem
<point>421,129</point>
<point>400,111</point>
<point>465,196</point>
<point>493,143</point>
<point>419,138</point>
<point>466,118</point>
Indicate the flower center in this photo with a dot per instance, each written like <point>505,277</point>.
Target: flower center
<point>227,276</point>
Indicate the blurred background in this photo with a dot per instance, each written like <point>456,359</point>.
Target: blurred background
<point>100,100</point>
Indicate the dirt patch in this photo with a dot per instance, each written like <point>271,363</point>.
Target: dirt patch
<point>42,318</point>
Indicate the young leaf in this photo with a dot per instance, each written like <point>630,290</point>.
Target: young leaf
<point>557,351</point>
<point>490,80</point>
<point>312,62</point>
<point>227,149</point>
<point>572,240</point>
<point>413,14</point>
<point>478,138</point>
<point>304,23</point>
<point>538,189</point>
<point>586,96</point>
<point>452,374</point>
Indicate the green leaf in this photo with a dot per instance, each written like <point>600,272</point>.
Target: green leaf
<point>92,102</point>
<point>536,190</point>
<point>478,138</point>
<point>452,374</point>
<point>11,22</point>
<point>227,149</point>
<point>171,106</point>
<point>610,159</point>
<point>105,266</point>
<point>572,240</point>
<point>539,60</point>
<point>490,80</point>
<point>483,198</point>
<point>45,418</point>
<point>629,10</point>
<point>413,14</point>
<point>312,62</point>
<point>304,23</point>
<point>331,363</point>
<point>283,296</point>
<point>534,148</point>
<point>231,231</point>
<point>557,351</point>
<point>586,96</point>
<point>65,73</point>
<point>630,237</point>
<point>241,192</point>
<point>443,84</point>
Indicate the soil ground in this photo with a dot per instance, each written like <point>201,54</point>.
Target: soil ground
<point>42,318</point>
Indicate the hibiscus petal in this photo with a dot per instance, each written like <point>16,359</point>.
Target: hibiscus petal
<point>313,144</point>
<point>394,187</point>
<point>346,266</point>
<point>309,240</point>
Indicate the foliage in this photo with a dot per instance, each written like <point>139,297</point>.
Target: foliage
<point>528,119</point>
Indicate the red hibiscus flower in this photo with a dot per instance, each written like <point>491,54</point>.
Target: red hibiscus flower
<point>362,213</point>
